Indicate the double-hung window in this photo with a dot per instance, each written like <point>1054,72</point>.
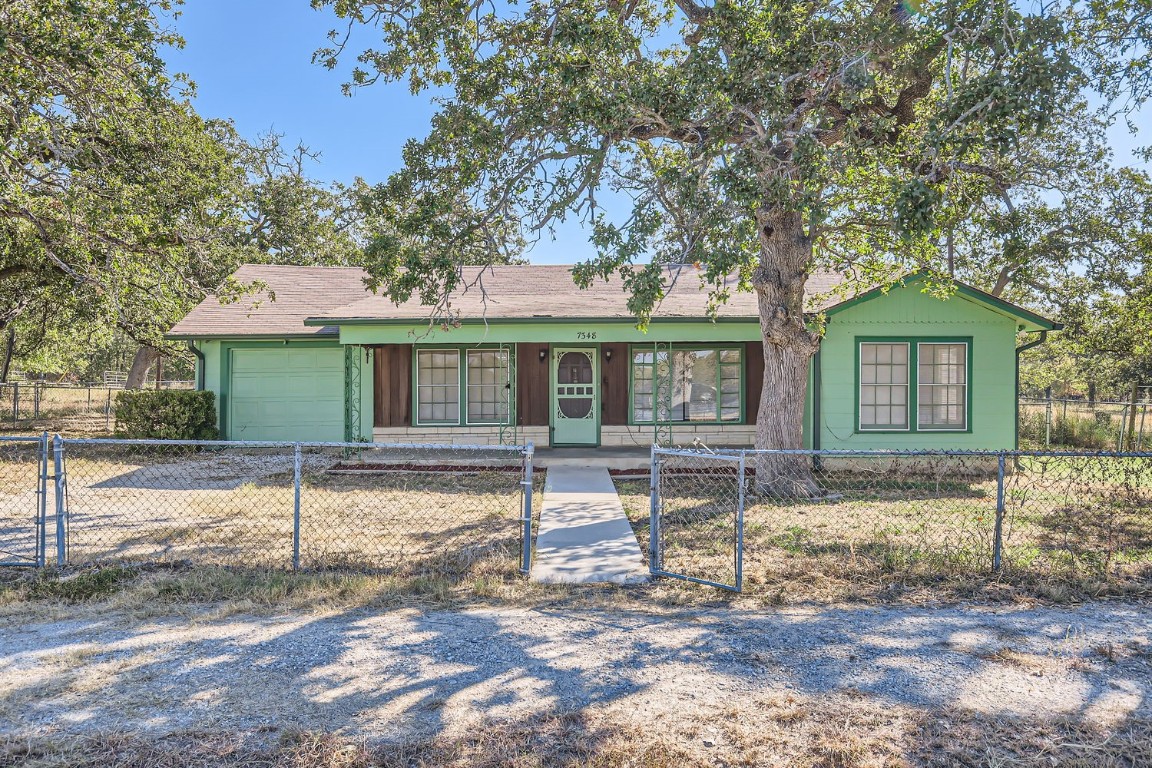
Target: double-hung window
<point>686,385</point>
<point>904,379</point>
<point>442,375</point>
<point>884,385</point>
<point>942,390</point>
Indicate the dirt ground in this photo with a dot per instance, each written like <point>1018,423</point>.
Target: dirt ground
<point>725,686</point>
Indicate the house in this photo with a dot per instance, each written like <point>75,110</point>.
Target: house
<point>528,356</point>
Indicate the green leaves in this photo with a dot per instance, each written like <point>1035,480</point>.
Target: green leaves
<point>119,205</point>
<point>701,118</point>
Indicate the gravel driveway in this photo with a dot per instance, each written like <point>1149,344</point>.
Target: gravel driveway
<point>407,673</point>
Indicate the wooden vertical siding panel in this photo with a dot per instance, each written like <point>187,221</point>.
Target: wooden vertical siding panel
<point>753,379</point>
<point>402,385</point>
<point>532,395</point>
<point>379,371</point>
<point>392,396</point>
<point>614,384</point>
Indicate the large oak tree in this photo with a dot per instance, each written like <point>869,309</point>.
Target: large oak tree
<point>764,137</point>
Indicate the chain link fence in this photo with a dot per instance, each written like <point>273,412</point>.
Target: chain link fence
<point>402,509</point>
<point>23,493</point>
<point>726,517</point>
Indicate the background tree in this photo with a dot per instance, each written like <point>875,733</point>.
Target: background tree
<point>120,207</point>
<point>769,139</point>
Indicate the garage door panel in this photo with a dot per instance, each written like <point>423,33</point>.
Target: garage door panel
<point>287,394</point>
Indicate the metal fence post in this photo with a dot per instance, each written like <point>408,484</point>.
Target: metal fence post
<point>42,504</point>
<point>15,405</point>
<point>297,467</point>
<point>740,480</point>
<point>61,506</point>
<point>654,553</point>
<point>1048,417</point>
<point>998,529</point>
<point>526,514</point>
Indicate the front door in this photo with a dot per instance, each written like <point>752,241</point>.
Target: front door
<point>575,399</point>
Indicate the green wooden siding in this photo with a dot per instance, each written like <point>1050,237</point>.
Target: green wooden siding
<point>907,313</point>
<point>566,333</point>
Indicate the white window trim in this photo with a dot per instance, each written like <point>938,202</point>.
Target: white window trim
<point>907,387</point>
<point>416,395</point>
<point>967,385</point>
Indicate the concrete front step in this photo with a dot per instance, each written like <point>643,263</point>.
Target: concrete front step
<point>584,536</point>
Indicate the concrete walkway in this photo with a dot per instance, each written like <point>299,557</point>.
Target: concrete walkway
<point>584,536</point>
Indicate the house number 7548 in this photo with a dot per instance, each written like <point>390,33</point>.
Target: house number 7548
<point>585,335</point>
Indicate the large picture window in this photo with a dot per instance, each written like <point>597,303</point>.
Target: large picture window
<point>704,385</point>
<point>900,380</point>
<point>483,378</point>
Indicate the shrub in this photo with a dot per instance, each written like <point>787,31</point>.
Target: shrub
<point>166,414</point>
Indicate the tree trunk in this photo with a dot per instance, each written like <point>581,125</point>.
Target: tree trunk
<point>146,357</point>
<point>9,349</point>
<point>786,254</point>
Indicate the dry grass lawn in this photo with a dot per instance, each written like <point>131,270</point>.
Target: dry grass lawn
<point>1072,528</point>
<point>235,509</point>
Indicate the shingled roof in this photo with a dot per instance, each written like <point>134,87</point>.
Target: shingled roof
<point>322,294</point>
<point>296,293</point>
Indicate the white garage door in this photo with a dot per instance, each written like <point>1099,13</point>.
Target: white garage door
<point>287,394</point>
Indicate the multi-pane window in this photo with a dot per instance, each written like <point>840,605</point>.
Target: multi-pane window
<point>942,387</point>
<point>488,386</point>
<point>703,385</point>
<point>438,386</point>
<point>483,379</point>
<point>883,385</point>
<point>901,377</point>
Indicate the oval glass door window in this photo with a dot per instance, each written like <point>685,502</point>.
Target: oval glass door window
<point>573,368</point>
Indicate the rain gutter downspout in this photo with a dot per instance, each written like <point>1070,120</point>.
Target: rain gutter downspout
<point>199,366</point>
<point>1022,348</point>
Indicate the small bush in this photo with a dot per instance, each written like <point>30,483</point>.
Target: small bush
<point>166,414</point>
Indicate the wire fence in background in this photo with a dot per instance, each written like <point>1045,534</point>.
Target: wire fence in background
<point>404,509</point>
<point>1086,424</point>
<point>748,517</point>
<point>39,405</point>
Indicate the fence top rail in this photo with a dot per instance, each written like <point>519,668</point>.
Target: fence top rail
<point>735,453</point>
<point>720,455</point>
<point>528,448</point>
<point>23,438</point>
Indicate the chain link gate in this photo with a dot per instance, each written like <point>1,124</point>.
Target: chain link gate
<point>696,526</point>
<point>23,500</point>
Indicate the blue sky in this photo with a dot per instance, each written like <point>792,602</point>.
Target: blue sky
<point>251,62</point>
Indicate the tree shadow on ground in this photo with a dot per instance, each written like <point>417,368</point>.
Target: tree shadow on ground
<point>422,677</point>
